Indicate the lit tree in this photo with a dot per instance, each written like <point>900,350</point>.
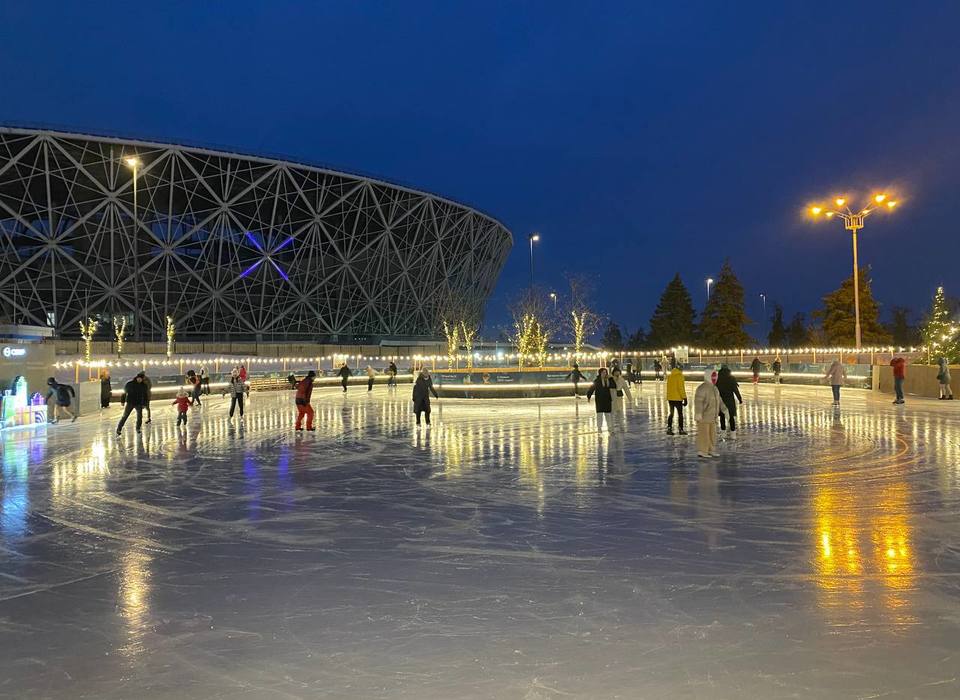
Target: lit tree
<point>468,330</point>
<point>452,332</point>
<point>87,329</point>
<point>940,332</point>
<point>171,335</point>
<point>583,321</point>
<point>531,325</point>
<point>119,332</point>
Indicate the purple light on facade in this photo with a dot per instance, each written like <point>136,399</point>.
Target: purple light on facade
<point>283,245</point>
<point>282,273</point>
<point>254,241</point>
<point>251,268</point>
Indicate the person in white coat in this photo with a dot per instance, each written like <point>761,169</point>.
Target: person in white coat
<point>622,396</point>
<point>835,375</point>
<point>707,407</point>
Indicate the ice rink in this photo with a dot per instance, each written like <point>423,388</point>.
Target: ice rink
<point>510,551</point>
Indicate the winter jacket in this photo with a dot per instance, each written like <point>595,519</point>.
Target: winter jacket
<point>836,374</point>
<point>135,393</point>
<point>345,372</point>
<point>63,392</point>
<point>422,388</point>
<point>237,386</point>
<point>371,372</point>
<point>576,375</point>
<point>676,391</point>
<point>756,365</point>
<point>147,383</point>
<point>707,405</point>
<point>243,374</point>
<point>105,390</point>
<point>944,375</point>
<point>392,369</point>
<point>623,386</point>
<point>304,391</point>
<point>182,403</point>
<point>899,367</point>
<point>728,386</point>
<point>777,366</point>
<point>604,389</point>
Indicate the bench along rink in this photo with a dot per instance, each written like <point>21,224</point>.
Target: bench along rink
<point>510,551</point>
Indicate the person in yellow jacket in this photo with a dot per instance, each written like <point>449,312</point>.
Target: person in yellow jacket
<point>677,398</point>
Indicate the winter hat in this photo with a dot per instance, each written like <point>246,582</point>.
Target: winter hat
<point>710,376</point>
<point>311,373</point>
<point>181,394</point>
<point>51,381</point>
<point>142,375</point>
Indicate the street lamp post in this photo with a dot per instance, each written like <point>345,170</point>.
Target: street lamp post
<point>763,298</point>
<point>553,295</point>
<point>533,238</point>
<point>709,283</point>
<point>853,222</point>
<point>134,164</point>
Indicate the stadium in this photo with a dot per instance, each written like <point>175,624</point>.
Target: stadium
<point>229,246</point>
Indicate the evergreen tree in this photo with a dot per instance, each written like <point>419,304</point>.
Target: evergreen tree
<point>612,337</point>
<point>778,332</point>
<point>838,320</point>
<point>797,333</point>
<point>672,322</point>
<point>637,340</point>
<point>904,333</point>
<point>940,333</point>
<point>723,317</point>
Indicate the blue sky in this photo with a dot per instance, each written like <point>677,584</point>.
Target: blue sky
<point>639,139</point>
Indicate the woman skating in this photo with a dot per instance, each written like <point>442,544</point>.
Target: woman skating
<point>707,406</point>
<point>622,396</point>
<point>730,395</point>
<point>237,389</point>
<point>422,388</point>
<point>835,375</point>
<point>604,388</point>
<point>943,378</point>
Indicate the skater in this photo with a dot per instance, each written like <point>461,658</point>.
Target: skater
<point>292,380</point>
<point>755,367</point>
<point>677,398</point>
<point>237,389</point>
<point>899,376</point>
<point>243,374</point>
<point>304,392</point>
<point>371,374</point>
<point>777,366</point>
<point>836,374</point>
<point>147,383</point>
<point>604,388</point>
<point>422,388</point>
<point>576,375</point>
<point>622,398</point>
<point>204,381</point>
<point>730,394</point>
<point>106,390</point>
<point>392,374</point>
<point>707,406</point>
<point>134,398</point>
<point>943,377</point>
<point>182,402</point>
<point>657,369</point>
<point>194,381</point>
<point>63,394</point>
<point>345,374</point>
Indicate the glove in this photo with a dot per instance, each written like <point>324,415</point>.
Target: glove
<point>684,401</point>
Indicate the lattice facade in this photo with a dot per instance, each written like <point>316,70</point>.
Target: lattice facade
<point>228,245</point>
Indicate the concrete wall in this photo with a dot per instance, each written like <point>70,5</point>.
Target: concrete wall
<point>36,364</point>
<point>921,380</point>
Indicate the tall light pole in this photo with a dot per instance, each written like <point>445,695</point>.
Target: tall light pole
<point>763,298</point>
<point>709,283</point>
<point>553,295</point>
<point>853,222</point>
<point>533,238</point>
<point>134,164</point>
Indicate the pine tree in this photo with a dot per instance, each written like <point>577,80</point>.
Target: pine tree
<point>838,320</point>
<point>613,337</point>
<point>672,322</point>
<point>903,332</point>
<point>797,333</point>
<point>724,317</point>
<point>940,333</point>
<point>637,340</point>
<point>778,332</point>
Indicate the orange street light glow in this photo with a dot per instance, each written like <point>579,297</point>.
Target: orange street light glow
<point>879,198</point>
<point>840,201</point>
<point>815,210</point>
<point>891,204</point>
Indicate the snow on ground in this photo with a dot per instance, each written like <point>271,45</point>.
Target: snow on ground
<point>510,551</point>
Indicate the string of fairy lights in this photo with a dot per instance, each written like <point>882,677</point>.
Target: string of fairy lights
<point>499,356</point>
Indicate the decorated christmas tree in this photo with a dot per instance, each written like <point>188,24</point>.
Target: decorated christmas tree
<point>940,332</point>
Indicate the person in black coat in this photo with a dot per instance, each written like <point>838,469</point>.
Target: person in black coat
<point>134,399</point>
<point>105,389</point>
<point>63,396</point>
<point>576,375</point>
<point>730,395</point>
<point>603,387</point>
<point>422,388</point>
<point>344,376</point>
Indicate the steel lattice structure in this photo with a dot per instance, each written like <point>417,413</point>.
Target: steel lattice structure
<point>230,246</point>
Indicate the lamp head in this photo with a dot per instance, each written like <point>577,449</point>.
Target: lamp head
<point>132,161</point>
<point>534,237</point>
<point>840,201</point>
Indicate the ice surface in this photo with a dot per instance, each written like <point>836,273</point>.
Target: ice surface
<point>508,552</point>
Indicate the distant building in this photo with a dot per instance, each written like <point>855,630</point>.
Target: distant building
<point>230,246</point>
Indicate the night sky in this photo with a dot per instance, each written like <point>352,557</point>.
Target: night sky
<point>640,139</point>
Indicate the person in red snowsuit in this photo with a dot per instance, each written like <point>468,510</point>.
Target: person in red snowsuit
<point>304,391</point>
